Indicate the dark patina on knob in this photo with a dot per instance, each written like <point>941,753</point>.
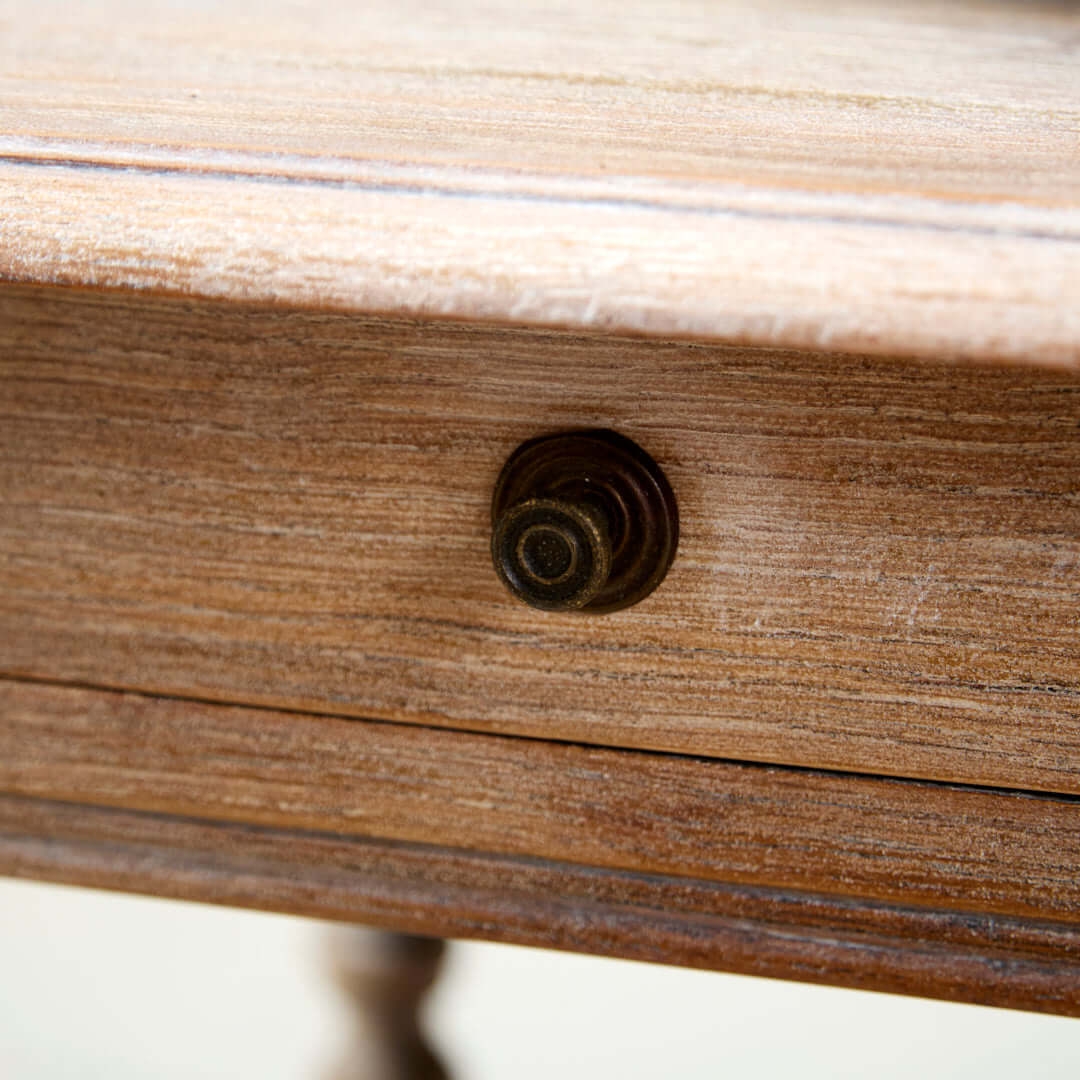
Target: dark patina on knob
<point>582,521</point>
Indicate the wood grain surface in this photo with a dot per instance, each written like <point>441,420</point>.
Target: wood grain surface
<point>878,568</point>
<point>864,838</point>
<point>960,956</point>
<point>871,175</point>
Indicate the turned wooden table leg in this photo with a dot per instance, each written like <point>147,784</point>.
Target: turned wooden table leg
<point>386,977</point>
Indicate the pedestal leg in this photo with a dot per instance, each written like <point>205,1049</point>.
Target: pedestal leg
<point>386,976</point>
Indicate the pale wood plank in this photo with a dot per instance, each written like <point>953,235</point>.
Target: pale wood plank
<point>960,99</point>
<point>877,570</point>
<point>870,176</point>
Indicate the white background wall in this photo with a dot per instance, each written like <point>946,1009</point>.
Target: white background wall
<point>100,985</point>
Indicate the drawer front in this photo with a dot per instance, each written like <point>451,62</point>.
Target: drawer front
<point>877,568</point>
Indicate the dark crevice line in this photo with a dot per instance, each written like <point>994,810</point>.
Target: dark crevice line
<point>700,759</point>
<point>602,202</point>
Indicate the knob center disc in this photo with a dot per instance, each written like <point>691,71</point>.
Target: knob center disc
<point>546,554</point>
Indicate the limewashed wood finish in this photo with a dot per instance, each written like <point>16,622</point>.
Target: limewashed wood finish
<point>282,286</point>
<point>895,178</point>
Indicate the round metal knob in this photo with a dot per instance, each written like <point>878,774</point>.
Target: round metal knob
<point>583,521</point>
<point>553,553</point>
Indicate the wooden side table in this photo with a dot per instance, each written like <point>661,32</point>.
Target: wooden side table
<point>283,288</point>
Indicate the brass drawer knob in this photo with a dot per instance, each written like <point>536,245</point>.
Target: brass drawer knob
<point>582,521</point>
